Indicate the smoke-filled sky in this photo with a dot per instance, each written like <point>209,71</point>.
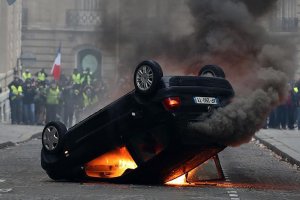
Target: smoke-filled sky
<point>223,32</point>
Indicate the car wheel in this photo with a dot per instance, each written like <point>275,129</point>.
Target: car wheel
<point>147,76</point>
<point>212,71</point>
<point>52,137</point>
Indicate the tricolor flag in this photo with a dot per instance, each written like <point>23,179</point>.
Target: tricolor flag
<point>55,71</point>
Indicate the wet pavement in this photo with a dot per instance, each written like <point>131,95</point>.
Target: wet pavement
<point>252,172</point>
<point>285,143</point>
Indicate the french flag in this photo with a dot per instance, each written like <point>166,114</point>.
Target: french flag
<point>55,71</point>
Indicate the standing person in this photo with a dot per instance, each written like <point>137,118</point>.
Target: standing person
<point>40,104</point>
<point>281,116</point>
<point>29,91</point>
<point>52,102</point>
<point>76,77</point>
<point>68,104</point>
<point>87,78</point>
<point>41,76</point>
<point>26,75</point>
<point>291,107</point>
<point>16,100</point>
<point>78,101</point>
<point>297,96</point>
<point>273,119</point>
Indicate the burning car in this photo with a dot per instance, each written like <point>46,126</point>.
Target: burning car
<point>141,137</point>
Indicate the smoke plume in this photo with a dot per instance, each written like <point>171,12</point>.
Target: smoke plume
<point>231,35</point>
<point>227,33</point>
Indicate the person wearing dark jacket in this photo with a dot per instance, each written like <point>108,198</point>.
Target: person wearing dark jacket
<point>52,102</point>
<point>16,100</point>
<point>41,76</point>
<point>28,102</point>
<point>68,104</point>
<point>291,108</point>
<point>40,104</point>
<point>296,90</point>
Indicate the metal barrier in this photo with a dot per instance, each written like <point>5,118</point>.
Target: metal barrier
<point>4,107</point>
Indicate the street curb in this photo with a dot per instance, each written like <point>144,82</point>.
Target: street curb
<point>10,144</point>
<point>6,144</point>
<point>36,136</point>
<point>284,155</point>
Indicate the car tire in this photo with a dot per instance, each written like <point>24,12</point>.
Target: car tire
<point>55,175</point>
<point>212,70</point>
<point>147,77</point>
<point>52,137</point>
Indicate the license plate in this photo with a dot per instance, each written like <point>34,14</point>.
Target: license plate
<point>206,100</point>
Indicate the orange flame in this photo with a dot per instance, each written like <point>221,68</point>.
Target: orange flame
<point>110,165</point>
<point>181,180</point>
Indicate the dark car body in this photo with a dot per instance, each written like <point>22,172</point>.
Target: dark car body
<point>151,128</point>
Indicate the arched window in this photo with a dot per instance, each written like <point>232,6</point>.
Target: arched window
<point>91,62</point>
<point>90,58</point>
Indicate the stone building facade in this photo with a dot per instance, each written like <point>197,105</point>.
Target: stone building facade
<point>10,32</point>
<point>89,31</point>
<point>76,25</point>
<point>285,21</point>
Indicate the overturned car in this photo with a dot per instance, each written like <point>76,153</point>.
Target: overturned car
<point>142,136</point>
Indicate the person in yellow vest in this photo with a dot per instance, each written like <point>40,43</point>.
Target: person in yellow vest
<point>16,100</point>
<point>52,102</point>
<point>26,75</point>
<point>297,96</point>
<point>41,76</point>
<point>89,100</point>
<point>76,77</point>
<point>87,78</point>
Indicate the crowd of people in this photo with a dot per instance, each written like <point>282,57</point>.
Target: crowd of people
<point>287,115</point>
<point>34,99</point>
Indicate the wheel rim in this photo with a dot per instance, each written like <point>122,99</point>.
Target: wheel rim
<point>144,78</point>
<point>208,74</point>
<point>50,138</point>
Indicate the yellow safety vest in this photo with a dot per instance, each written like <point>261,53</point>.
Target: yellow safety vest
<point>41,76</point>
<point>296,90</point>
<point>26,75</point>
<point>53,96</point>
<point>16,91</point>
<point>88,78</point>
<point>76,78</point>
<point>88,101</point>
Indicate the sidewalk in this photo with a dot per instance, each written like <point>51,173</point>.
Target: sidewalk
<point>13,134</point>
<point>285,143</point>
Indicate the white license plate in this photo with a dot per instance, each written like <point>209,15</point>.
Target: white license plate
<point>206,100</point>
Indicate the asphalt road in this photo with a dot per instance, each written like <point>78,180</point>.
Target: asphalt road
<point>252,172</point>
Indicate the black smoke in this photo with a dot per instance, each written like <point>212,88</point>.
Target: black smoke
<point>223,32</point>
<point>230,34</point>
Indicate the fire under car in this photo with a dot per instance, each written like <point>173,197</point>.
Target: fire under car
<point>142,136</point>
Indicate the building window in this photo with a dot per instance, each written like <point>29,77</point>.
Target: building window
<point>89,61</point>
<point>90,58</point>
<point>284,18</point>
